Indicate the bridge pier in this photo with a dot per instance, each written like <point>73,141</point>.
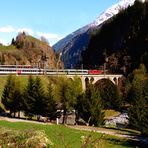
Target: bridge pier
<point>95,78</point>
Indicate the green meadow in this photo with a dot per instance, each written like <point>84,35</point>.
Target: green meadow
<point>65,137</point>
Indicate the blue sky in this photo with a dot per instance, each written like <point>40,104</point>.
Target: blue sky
<point>52,19</point>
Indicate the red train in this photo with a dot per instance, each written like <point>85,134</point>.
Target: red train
<point>28,69</point>
<point>95,72</point>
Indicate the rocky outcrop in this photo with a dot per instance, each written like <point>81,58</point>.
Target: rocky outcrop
<point>31,51</point>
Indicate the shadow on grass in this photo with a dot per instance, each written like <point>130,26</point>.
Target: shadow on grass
<point>124,131</point>
<point>135,138</point>
<point>128,143</point>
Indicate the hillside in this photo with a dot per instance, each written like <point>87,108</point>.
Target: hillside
<point>122,41</point>
<point>26,49</point>
<point>75,43</point>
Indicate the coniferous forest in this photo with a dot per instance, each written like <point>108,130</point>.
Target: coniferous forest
<point>122,40</point>
<point>62,95</point>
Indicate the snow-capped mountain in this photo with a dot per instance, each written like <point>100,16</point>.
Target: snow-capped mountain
<point>112,11</point>
<point>71,47</point>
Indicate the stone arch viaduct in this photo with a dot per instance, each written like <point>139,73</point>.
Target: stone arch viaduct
<point>94,78</point>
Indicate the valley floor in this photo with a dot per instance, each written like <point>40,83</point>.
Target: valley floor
<point>120,133</point>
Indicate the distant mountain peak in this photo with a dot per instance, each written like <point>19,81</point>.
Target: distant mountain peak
<point>113,10</point>
<point>71,47</point>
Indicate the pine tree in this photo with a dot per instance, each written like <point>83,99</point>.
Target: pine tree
<point>137,109</point>
<point>29,99</point>
<point>17,97</point>
<point>146,90</point>
<point>39,97</point>
<point>110,94</point>
<point>50,103</point>
<point>61,97</point>
<point>6,95</point>
<point>97,116</point>
<point>13,41</point>
<point>65,96</point>
<point>77,86</point>
<point>138,113</point>
<point>90,107</point>
<point>12,95</point>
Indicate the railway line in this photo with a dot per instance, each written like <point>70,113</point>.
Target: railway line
<point>29,70</point>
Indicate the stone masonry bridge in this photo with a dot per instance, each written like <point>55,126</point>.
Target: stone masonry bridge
<point>95,78</point>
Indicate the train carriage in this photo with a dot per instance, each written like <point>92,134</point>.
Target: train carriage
<point>29,70</point>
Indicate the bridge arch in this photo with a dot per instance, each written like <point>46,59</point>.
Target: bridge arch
<point>87,79</point>
<point>113,79</point>
<point>71,78</point>
<point>94,78</point>
<point>108,92</point>
<point>103,81</point>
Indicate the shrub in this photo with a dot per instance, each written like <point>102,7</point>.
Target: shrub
<point>27,138</point>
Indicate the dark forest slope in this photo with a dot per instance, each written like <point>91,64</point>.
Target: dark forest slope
<point>123,40</point>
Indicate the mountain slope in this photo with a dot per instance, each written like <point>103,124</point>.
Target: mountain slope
<point>71,47</point>
<point>122,41</point>
<point>27,50</point>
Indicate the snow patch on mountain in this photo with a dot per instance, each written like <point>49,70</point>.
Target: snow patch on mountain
<point>102,18</point>
<point>112,11</point>
<point>73,44</point>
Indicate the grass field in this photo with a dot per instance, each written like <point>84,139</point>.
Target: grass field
<point>64,137</point>
<point>8,48</point>
<point>110,113</point>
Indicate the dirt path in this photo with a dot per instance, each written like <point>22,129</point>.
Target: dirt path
<point>86,128</point>
<point>113,132</point>
<point>104,131</point>
<point>22,120</point>
<point>118,133</point>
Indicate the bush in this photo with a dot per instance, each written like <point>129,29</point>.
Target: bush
<point>28,138</point>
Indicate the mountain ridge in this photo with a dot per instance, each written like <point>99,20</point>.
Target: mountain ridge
<point>123,41</point>
<point>67,44</point>
<point>28,50</point>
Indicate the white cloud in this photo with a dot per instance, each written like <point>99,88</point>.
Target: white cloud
<point>7,29</point>
<point>47,35</point>
<point>11,29</point>
<point>4,42</point>
<point>26,30</point>
<point>51,37</point>
<point>54,40</point>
